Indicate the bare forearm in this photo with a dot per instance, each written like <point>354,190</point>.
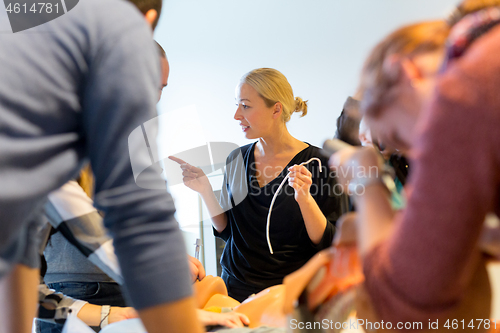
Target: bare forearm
<point>375,217</point>
<point>219,218</point>
<point>314,219</point>
<point>90,314</point>
<point>18,299</point>
<point>176,317</point>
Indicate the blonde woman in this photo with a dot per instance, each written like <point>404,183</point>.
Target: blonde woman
<point>306,208</point>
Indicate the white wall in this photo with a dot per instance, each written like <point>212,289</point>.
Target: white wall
<point>319,45</point>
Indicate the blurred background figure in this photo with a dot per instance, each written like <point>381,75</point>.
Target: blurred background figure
<point>348,123</point>
<point>427,263</point>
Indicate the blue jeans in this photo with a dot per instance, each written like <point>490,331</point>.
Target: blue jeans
<point>98,293</point>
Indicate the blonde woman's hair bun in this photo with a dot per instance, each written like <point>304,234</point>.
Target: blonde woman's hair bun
<point>273,87</point>
<point>300,106</point>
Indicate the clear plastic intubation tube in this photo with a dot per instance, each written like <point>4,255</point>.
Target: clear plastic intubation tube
<point>276,195</point>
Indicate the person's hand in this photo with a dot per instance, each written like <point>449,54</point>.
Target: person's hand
<point>228,319</point>
<point>345,234</point>
<point>196,268</point>
<point>300,180</point>
<point>352,163</point>
<point>194,177</point>
<point>118,314</point>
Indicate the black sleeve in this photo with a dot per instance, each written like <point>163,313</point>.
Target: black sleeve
<point>225,203</point>
<point>332,202</point>
<point>234,180</point>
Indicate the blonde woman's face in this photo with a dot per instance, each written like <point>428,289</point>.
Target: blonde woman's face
<point>254,116</point>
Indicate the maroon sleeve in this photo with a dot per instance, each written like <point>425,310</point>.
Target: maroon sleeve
<point>423,268</point>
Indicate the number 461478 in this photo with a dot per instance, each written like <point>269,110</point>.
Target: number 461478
<point>36,8</point>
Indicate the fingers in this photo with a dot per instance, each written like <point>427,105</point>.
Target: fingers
<point>300,174</point>
<point>196,268</point>
<point>300,169</point>
<point>244,319</point>
<point>190,174</point>
<point>185,165</point>
<point>355,158</point>
<point>342,156</point>
<point>194,271</point>
<point>232,323</point>
<point>296,183</point>
<point>343,164</point>
<point>235,319</point>
<point>230,319</point>
<point>201,272</point>
<point>346,230</point>
<point>176,159</point>
<point>299,177</point>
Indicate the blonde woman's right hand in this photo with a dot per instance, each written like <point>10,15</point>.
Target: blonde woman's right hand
<point>194,177</point>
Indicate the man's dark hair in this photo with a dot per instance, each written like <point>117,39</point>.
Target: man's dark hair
<point>145,5</point>
<point>348,123</point>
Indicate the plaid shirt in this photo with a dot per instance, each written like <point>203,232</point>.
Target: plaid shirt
<point>70,211</point>
<point>56,307</point>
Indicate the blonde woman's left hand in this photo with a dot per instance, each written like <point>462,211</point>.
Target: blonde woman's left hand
<point>300,180</point>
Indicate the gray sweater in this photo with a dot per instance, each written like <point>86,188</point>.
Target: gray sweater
<point>80,248</point>
<point>75,88</point>
<point>67,264</point>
